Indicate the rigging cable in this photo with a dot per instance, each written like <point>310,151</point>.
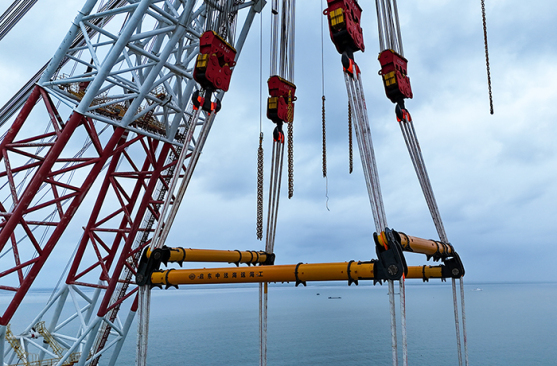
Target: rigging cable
<point>259,224</point>
<point>279,110</point>
<point>323,121</point>
<point>487,59</point>
<point>323,99</point>
<point>390,38</point>
<point>363,135</point>
<point>13,15</point>
<point>262,286</point>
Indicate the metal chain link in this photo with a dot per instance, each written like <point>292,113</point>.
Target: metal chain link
<point>290,147</point>
<point>324,138</point>
<point>350,153</point>
<point>259,228</point>
<point>290,161</point>
<point>487,59</point>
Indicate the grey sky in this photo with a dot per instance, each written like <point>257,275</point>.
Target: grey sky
<point>493,176</point>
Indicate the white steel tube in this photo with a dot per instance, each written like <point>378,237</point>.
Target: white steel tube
<point>67,42</point>
<point>113,55</point>
<point>118,346</point>
<point>154,72</point>
<point>2,342</point>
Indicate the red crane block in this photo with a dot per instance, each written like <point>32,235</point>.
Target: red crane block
<point>344,25</point>
<point>395,76</point>
<point>213,68</point>
<point>280,104</point>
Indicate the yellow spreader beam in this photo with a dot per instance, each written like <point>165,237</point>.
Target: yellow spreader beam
<point>179,255</point>
<point>428,247</point>
<point>299,273</point>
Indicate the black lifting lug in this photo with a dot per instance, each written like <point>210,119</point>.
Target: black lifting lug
<point>453,267</point>
<point>391,264</point>
<point>148,265</point>
<point>270,260</point>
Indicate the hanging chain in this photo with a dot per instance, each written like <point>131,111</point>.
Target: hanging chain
<point>290,161</point>
<point>290,149</point>
<point>324,137</point>
<point>260,188</point>
<point>487,59</point>
<point>350,154</point>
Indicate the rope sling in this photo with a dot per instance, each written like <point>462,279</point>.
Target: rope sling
<point>390,38</point>
<point>279,110</point>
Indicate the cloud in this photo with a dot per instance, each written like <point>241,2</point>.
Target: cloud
<point>493,176</point>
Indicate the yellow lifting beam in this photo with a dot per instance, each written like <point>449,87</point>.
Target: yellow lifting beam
<point>179,255</point>
<point>299,273</point>
<point>429,247</point>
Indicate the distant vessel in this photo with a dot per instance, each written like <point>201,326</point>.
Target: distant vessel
<point>334,297</point>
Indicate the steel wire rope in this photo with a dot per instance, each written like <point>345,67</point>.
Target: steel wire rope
<point>323,122</point>
<point>423,177</point>
<point>260,154</point>
<point>15,12</point>
<point>363,135</point>
<point>484,23</point>
<point>281,61</point>
<point>389,33</point>
<point>260,186</point>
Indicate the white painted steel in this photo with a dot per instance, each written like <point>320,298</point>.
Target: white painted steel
<point>122,72</point>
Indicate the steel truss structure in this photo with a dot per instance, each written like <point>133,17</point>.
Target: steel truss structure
<point>114,105</point>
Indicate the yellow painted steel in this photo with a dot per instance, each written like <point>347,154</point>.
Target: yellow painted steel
<point>425,246</point>
<point>212,255</point>
<point>345,271</point>
<point>424,272</point>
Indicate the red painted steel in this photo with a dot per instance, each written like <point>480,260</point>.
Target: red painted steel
<point>344,25</point>
<point>280,106</point>
<point>43,169</point>
<point>213,68</point>
<point>394,70</point>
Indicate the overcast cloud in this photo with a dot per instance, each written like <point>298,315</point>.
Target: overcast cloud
<point>493,176</point>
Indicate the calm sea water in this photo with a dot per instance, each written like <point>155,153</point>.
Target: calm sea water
<point>507,324</point>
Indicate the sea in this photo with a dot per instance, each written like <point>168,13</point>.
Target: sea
<point>324,324</point>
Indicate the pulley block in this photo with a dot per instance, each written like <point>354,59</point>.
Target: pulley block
<point>395,76</point>
<point>280,104</point>
<point>344,25</point>
<point>213,68</point>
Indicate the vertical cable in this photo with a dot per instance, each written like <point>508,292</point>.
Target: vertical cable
<point>260,155</point>
<point>456,323</point>
<point>462,308</point>
<point>398,32</point>
<point>487,58</point>
<point>403,321</point>
<point>393,322</point>
<point>323,127</point>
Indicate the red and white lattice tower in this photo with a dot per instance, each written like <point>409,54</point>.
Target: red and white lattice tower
<point>109,117</point>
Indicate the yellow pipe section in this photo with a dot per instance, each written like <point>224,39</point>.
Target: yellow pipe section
<point>425,246</point>
<point>212,255</point>
<point>424,272</point>
<point>299,273</point>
